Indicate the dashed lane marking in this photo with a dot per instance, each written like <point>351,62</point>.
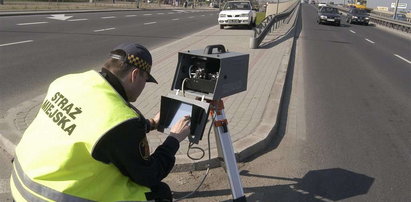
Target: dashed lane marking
<point>352,31</point>
<point>175,19</point>
<point>148,14</point>
<point>106,29</point>
<point>127,16</point>
<point>31,23</point>
<point>369,41</point>
<point>149,23</point>
<point>402,58</point>
<point>108,17</point>
<point>75,20</point>
<point>14,43</point>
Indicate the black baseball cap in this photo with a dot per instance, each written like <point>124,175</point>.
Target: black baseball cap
<point>136,55</point>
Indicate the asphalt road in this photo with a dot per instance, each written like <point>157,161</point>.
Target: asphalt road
<point>345,132</point>
<point>35,49</point>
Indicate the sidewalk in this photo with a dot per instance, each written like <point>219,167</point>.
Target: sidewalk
<point>252,115</point>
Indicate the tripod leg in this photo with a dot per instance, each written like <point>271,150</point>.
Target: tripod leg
<point>225,146</point>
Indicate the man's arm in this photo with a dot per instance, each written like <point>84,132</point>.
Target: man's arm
<point>124,146</point>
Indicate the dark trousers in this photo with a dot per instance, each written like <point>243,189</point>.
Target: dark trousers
<point>160,193</point>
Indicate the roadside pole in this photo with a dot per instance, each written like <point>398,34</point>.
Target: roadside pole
<point>396,8</point>
<point>278,3</point>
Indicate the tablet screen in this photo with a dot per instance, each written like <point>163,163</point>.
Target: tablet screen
<point>183,110</point>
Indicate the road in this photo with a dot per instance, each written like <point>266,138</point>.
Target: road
<point>35,49</point>
<point>345,132</point>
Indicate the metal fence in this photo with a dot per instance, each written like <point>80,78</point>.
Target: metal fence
<point>270,23</point>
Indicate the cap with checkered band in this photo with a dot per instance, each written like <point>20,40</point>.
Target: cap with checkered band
<point>136,55</point>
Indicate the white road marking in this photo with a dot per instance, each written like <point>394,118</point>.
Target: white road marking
<point>149,23</point>
<point>60,17</point>
<point>101,30</point>
<point>352,31</point>
<point>175,19</point>
<point>32,23</point>
<point>398,56</point>
<point>75,20</point>
<point>14,43</point>
<point>4,186</point>
<point>127,16</point>
<point>191,17</point>
<point>170,13</point>
<point>369,40</point>
<point>148,14</point>
<point>108,17</point>
<point>160,13</point>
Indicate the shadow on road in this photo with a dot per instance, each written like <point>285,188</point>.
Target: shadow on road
<point>318,185</point>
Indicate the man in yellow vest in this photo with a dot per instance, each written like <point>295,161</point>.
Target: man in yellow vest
<point>88,143</point>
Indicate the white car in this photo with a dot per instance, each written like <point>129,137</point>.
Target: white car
<point>237,13</point>
<point>321,4</point>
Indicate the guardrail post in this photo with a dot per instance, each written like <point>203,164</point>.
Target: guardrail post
<point>253,40</point>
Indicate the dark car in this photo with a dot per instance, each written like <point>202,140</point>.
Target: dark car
<point>329,15</point>
<point>356,15</point>
<point>401,17</point>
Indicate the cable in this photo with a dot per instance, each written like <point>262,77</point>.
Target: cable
<point>201,183</point>
<point>208,165</point>
<point>182,86</point>
<point>190,147</point>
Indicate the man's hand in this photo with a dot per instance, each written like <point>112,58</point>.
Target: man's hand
<point>181,129</point>
<point>154,121</point>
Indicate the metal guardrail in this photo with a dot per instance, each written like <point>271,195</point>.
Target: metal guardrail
<point>387,15</point>
<point>386,21</point>
<point>395,24</point>
<point>269,24</point>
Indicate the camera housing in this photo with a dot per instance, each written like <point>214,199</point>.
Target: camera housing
<point>213,75</point>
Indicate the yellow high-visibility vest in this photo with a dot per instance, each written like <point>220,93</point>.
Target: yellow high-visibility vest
<point>53,159</point>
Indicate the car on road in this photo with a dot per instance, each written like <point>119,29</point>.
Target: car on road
<point>236,13</point>
<point>356,15</point>
<point>321,4</point>
<point>329,15</point>
<point>401,17</point>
